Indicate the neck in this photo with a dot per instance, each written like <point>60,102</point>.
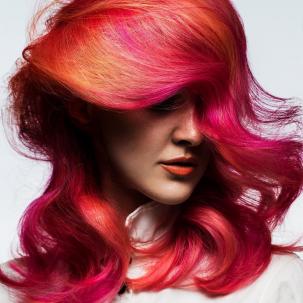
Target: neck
<point>124,199</point>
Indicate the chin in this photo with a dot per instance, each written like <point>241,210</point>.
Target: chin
<point>172,199</point>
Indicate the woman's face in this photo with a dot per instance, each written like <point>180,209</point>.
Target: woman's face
<point>136,144</point>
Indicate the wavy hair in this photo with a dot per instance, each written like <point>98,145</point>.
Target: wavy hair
<point>126,55</point>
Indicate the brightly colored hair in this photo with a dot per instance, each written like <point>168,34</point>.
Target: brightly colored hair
<point>126,55</point>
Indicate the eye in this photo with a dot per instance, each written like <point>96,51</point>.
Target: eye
<point>172,103</point>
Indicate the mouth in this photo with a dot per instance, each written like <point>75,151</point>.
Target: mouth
<point>179,168</point>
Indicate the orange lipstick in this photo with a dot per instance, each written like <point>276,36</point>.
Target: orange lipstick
<point>178,169</point>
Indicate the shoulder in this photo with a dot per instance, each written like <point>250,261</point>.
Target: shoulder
<point>283,280</point>
<point>6,294</point>
<point>283,267</point>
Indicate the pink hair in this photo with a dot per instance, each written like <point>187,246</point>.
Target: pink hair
<point>125,54</point>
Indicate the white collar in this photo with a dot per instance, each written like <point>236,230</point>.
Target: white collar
<point>143,223</point>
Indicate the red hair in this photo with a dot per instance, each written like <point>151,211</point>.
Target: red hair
<point>128,55</point>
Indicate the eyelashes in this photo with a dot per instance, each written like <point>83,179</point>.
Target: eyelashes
<point>169,104</point>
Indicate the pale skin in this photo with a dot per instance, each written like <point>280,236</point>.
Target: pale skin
<point>132,143</point>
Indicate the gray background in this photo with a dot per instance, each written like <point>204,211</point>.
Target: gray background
<point>274,31</point>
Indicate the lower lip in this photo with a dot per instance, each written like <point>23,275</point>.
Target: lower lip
<point>178,170</point>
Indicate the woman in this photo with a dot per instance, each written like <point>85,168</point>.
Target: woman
<point>168,172</point>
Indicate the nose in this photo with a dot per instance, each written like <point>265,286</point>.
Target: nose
<point>186,131</point>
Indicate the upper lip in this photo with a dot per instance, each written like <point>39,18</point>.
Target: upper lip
<point>188,160</point>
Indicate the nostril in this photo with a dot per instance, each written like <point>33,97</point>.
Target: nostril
<point>184,142</point>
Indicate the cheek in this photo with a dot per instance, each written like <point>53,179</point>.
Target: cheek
<point>133,141</point>
<point>116,131</point>
<point>134,147</point>
<point>134,132</point>
<point>123,137</point>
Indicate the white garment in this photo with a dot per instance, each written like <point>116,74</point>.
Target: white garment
<point>282,281</point>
